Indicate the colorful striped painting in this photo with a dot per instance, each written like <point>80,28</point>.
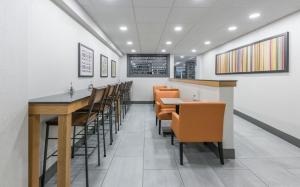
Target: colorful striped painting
<point>268,55</point>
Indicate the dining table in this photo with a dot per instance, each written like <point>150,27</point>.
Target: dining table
<point>61,105</point>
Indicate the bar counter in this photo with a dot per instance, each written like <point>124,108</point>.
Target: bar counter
<point>213,83</point>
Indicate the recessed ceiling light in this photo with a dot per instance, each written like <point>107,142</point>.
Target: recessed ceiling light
<point>129,43</point>
<point>133,50</point>
<point>178,28</point>
<point>181,56</point>
<point>232,28</point>
<point>163,50</point>
<point>254,15</point>
<point>194,50</point>
<point>207,42</point>
<point>168,42</point>
<point>123,28</point>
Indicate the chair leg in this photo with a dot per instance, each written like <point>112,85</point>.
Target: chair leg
<point>73,140</point>
<point>45,156</point>
<point>172,137</point>
<point>86,157</point>
<point>155,121</point>
<point>103,134</point>
<point>181,153</point>
<point>110,126</point>
<point>98,140</point>
<point>159,127</point>
<point>220,147</point>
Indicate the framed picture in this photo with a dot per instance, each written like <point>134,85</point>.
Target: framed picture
<point>113,68</point>
<point>148,65</point>
<point>103,66</point>
<point>85,61</point>
<point>270,55</point>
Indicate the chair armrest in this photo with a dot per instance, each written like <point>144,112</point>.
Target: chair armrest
<point>175,125</point>
<point>175,117</point>
<point>158,107</point>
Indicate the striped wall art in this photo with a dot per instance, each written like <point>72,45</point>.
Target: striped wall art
<point>265,56</point>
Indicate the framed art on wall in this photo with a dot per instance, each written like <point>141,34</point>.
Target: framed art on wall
<point>148,65</point>
<point>85,61</point>
<point>103,66</point>
<point>270,55</point>
<point>113,68</point>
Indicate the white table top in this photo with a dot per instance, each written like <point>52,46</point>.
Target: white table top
<point>171,101</point>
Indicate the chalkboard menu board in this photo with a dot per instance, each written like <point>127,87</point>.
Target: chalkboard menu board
<point>148,65</point>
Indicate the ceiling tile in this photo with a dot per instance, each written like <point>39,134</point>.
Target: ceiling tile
<point>151,15</point>
<point>152,3</point>
<point>150,28</point>
<point>196,3</point>
<point>110,3</point>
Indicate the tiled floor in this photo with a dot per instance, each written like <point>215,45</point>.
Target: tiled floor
<point>140,157</point>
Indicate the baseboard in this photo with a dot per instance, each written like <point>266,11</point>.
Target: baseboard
<point>141,102</point>
<point>291,139</point>
<point>228,153</point>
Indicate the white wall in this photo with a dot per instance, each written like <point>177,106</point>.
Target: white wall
<point>142,87</point>
<point>271,98</point>
<point>53,51</point>
<point>13,93</point>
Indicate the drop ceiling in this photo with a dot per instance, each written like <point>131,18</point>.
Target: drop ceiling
<point>151,22</point>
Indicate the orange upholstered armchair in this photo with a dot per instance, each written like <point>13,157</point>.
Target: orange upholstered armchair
<point>156,87</point>
<point>199,122</point>
<point>164,112</point>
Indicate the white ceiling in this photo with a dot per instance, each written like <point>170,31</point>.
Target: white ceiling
<point>151,22</point>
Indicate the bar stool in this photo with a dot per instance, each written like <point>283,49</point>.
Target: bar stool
<point>82,119</point>
<point>117,103</point>
<point>127,97</point>
<point>107,110</point>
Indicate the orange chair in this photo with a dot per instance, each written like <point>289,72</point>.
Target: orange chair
<point>164,112</point>
<point>156,87</point>
<point>199,122</point>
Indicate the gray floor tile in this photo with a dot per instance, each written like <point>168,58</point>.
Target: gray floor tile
<point>96,177</point>
<point>272,172</point>
<point>125,171</point>
<point>200,176</point>
<point>238,178</point>
<point>162,178</point>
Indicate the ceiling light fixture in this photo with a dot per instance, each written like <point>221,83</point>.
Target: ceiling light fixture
<point>163,50</point>
<point>178,28</point>
<point>194,50</point>
<point>123,28</point>
<point>207,42</point>
<point>129,43</point>
<point>168,42</point>
<point>133,50</point>
<point>254,15</point>
<point>181,56</point>
<point>232,28</point>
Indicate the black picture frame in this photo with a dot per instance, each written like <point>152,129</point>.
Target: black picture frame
<point>286,53</point>
<point>129,67</point>
<point>113,68</point>
<point>103,66</point>
<point>81,56</point>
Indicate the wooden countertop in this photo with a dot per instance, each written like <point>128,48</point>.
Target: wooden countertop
<point>212,83</point>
